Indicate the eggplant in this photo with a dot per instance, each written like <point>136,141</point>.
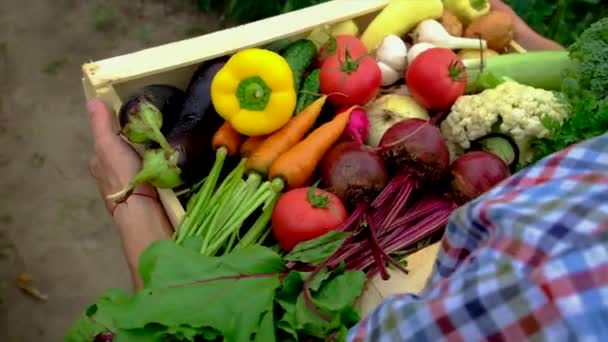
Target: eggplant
<point>181,123</point>
<point>166,98</point>
<point>196,123</point>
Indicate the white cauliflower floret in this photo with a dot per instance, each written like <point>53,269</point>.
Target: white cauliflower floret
<point>511,108</point>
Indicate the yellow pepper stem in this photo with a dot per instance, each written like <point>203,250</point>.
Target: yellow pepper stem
<point>253,93</point>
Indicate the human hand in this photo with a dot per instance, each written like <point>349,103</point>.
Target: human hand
<point>520,26</point>
<point>524,34</point>
<point>114,162</point>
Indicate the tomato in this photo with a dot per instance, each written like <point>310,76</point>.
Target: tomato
<point>303,214</point>
<point>338,46</point>
<point>350,81</point>
<point>436,78</point>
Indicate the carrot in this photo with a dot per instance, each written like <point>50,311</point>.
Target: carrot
<point>298,164</point>
<point>284,138</point>
<point>227,137</point>
<point>252,143</point>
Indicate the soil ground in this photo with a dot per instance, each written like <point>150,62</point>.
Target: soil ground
<point>53,224</point>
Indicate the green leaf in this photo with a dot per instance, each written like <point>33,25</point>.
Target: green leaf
<point>309,322</point>
<point>209,334</point>
<point>96,318</point>
<point>193,243</point>
<point>317,250</point>
<point>151,333</point>
<point>340,292</point>
<point>266,332</point>
<point>188,333</point>
<point>164,264</point>
<point>91,310</point>
<point>288,323</point>
<point>289,292</point>
<point>316,282</point>
<point>185,291</point>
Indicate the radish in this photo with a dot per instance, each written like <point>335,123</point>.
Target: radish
<point>358,126</point>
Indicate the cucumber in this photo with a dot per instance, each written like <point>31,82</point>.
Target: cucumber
<point>300,55</point>
<point>278,46</point>
<point>502,145</point>
<point>308,92</point>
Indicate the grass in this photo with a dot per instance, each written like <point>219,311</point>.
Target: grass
<point>54,67</point>
<point>105,17</point>
<point>195,32</point>
<point>144,34</point>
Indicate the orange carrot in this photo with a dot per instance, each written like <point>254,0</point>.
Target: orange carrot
<point>251,144</point>
<point>284,138</point>
<point>297,165</point>
<point>227,137</point>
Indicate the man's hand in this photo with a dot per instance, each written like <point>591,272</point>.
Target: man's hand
<point>524,34</point>
<point>114,162</point>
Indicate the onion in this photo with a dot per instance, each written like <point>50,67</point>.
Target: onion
<point>475,173</point>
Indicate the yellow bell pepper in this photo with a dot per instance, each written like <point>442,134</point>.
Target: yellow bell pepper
<point>467,10</point>
<point>254,91</point>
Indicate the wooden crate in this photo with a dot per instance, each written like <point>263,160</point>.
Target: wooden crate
<point>116,78</point>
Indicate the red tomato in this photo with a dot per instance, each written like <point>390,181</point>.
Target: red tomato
<point>338,46</point>
<point>350,81</point>
<point>436,78</point>
<point>299,217</point>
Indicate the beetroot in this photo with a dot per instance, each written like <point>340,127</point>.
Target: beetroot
<point>417,147</point>
<point>353,173</point>
<point>405,210</point>
<point>474,173</point>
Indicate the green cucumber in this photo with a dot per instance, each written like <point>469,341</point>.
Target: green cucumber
<point>300,55</point>
<point>278,46</point>
<point>309,91</point>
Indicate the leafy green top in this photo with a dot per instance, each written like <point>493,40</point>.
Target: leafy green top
<point>586,87</point>
<point>247,295</point>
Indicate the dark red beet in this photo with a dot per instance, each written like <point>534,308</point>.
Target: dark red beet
<point>416,146</point>
<point>475,173</point>
<point>353,172</point>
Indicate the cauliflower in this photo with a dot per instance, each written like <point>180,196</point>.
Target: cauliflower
<point>511,108</point>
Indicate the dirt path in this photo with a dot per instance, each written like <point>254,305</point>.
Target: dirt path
<point>52,223</point>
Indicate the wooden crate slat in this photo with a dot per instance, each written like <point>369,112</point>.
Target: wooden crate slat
<point>190,51</point>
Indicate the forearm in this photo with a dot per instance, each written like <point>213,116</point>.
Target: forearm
<point>531,41</point>
<point>524,34</point>
<point>140,221</point>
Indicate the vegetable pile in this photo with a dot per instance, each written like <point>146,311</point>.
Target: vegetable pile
<point>309,167</point>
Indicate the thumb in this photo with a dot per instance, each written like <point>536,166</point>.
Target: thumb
<point>101,119</point>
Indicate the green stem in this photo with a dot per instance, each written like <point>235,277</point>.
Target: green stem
<point>200,230</point>
<point>259,230</point>
<point>160,139</point>
<point>230,243</point>
<point>241,196</point>
<point>237,220</point>
<point>220,215</point>
<point>204,194</point>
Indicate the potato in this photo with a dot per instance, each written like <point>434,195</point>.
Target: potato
<point>473,53</point>
<point>495,27</point>
<point>451,23</point>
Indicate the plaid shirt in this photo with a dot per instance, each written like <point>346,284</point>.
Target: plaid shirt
<point>526,261</point>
